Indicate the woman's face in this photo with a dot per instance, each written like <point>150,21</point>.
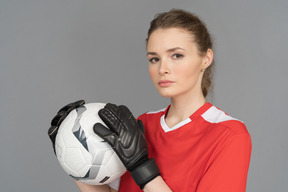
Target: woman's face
<point>174,62</point>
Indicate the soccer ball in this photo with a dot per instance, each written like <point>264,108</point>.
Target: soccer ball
<point>83,154</point>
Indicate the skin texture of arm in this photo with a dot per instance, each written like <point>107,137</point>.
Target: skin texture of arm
<point>94,188</point>
<point>157,184</point>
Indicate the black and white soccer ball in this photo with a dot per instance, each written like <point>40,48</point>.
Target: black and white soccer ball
<point>82,154</point>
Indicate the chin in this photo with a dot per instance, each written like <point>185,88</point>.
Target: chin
<point>166,93</point>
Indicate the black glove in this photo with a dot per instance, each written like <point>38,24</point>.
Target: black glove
<point>126,137</point>
<point>61,115</point>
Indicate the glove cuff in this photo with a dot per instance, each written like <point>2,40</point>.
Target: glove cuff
<point>145,173</point>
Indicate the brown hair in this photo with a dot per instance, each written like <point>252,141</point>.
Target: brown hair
<point>185,20</point>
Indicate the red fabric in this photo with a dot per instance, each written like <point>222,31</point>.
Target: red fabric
<point>200,156</point>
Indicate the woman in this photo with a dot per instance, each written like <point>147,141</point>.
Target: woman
<point>192,145</point>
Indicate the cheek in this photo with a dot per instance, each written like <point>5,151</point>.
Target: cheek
<point>188,72</point>
<point>152,73</point>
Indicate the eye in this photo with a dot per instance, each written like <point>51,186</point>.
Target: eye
<point>153,60</point>
<point>177,56</point>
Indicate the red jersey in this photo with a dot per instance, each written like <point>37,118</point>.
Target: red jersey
<point>208,152</point>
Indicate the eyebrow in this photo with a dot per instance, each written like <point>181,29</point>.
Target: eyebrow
<point>169,50</point>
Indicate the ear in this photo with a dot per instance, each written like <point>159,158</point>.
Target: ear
<point>207,59</point>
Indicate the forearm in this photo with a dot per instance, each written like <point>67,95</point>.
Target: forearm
<point>157,184</point>
<point>94,188</point>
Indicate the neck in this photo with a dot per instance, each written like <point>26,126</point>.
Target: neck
<point>185,105</point>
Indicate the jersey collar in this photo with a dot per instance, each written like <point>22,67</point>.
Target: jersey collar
<point>196,114</point>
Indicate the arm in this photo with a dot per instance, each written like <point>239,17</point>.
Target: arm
<point>157,184</point>
<point>229,167</point>
<point>94,188</point>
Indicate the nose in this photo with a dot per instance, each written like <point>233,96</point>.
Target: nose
<point>164,67</point>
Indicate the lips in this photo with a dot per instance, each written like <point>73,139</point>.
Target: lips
<point>165,83</point>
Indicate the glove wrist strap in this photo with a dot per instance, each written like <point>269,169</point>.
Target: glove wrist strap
<point>145,173</point>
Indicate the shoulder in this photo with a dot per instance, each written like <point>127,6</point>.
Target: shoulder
<point>230,134</point>
<point>219,118</point>
<point>152,114</point>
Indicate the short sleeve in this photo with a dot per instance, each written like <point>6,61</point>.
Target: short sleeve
<point>227,170</point>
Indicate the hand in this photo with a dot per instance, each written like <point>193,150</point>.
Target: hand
<point>60,116</point>
<point>126,137</point>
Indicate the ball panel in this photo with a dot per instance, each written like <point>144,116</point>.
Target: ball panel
<point>59,146</point>
<point>94,178</point>
<point>115,166</point>
<point>75,160</point>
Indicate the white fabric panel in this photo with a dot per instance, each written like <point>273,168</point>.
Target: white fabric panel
<point>153,112</point>
<point>215,115</point>
<point>167,129</point>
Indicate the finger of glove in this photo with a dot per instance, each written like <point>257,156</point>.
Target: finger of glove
<point>111,115</point>
<point>141,126</point>
<point>105,133</point>
<point>129,116</point>
<point>64,111</point>
<point>57,120</point>
<point>128,113</point>
<point>52,132</point>
<point>71,106</point>
<point>112,108</point>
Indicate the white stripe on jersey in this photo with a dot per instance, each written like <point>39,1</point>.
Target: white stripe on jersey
<point>167,129</point>
<point>215,115</point>
<point>153,112</point>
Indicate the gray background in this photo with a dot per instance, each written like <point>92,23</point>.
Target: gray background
<point>55,52</point>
